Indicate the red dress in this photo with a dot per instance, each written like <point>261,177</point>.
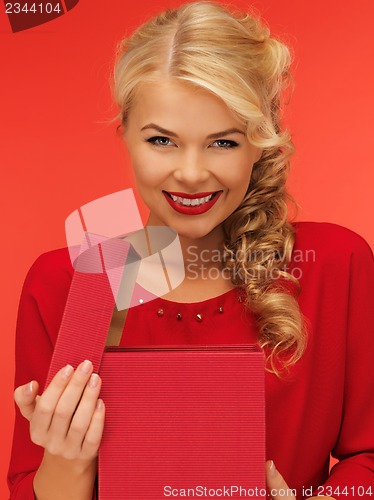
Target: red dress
<point>325,405</point>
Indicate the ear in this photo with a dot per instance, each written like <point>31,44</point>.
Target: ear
<point>122,125</point>
<point>124,133</point>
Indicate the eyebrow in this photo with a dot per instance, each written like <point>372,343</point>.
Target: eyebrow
<point>216,135</point>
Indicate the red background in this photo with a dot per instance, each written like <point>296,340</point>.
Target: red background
<point>58,150</point>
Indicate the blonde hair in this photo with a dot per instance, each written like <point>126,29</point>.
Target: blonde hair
<point>230,53</point>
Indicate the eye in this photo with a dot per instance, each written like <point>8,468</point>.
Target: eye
<point>159,141</point>
<point>224,144</point>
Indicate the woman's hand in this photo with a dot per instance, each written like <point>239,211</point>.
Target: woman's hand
<point>278,487</point>
<point>68,419</point>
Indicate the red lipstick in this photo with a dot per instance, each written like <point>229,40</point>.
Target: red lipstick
<point>192,209</point>
<point>191,196</point>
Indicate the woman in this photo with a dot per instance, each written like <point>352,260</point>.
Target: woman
<point>200,117</point>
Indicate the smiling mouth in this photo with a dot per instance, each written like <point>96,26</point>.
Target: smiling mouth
<point>193,200</point>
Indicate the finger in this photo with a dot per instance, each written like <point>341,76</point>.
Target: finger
<point>278,487</point>
<point>69,400</point>
<point>46,404</point>
<point>94,433</point>
<point>85,410</point>
<point>25,398</point>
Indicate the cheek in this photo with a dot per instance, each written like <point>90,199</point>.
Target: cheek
<point>147,169</point>
<point>239,176</point>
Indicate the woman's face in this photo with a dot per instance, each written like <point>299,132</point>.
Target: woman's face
<point>191,158</point>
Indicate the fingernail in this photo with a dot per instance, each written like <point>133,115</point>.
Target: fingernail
<point>94,380</point>
<point>28,389</point>
<point>99,404</point>
<point>272,469</point>
<point>67,371</point>
<point>85,367</point>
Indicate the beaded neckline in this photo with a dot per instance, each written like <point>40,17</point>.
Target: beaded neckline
<point>198,310</point>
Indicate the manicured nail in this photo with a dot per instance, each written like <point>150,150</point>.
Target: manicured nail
<point>94,380</point>
<point>28,388</point>
<point>99,405</point>
<point>67,371</point>
<point>86,366</point>
<point>272,469</point>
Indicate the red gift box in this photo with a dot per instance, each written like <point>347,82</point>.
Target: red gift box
<point>182,419</point>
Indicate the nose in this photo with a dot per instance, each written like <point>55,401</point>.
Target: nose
<point>191,170</point>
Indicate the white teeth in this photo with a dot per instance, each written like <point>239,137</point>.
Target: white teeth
<point>191,202</point>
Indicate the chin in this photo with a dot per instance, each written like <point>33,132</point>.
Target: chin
<point>193,231</point>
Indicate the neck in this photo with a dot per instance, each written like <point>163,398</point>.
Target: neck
<point>202,253</point>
